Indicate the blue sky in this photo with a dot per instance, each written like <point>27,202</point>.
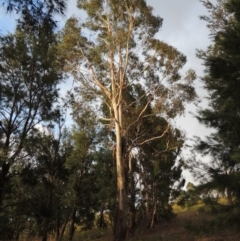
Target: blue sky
<point>7,21</point>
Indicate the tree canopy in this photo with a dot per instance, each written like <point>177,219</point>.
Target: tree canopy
<point>222,65</point>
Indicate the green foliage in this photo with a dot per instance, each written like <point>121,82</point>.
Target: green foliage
<point>29,75</point>
<point>222,83</point>
<point>32,170</point>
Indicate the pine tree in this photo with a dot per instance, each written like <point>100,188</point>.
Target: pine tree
<point>29,75</point>
<point>222,62</point>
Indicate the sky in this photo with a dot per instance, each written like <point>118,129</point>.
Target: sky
<point>181,28</point>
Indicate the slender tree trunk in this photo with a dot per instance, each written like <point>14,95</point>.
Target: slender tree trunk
<point>3,179</point>
<point>153,214</point>
<point>47,219</point>
<point>62,230</point>
<point>16,230</point>
<point>72,225</point>
<point>132,225</point>
<point>147,202</point>
<point>45,230</point>
<point>154,206</point>
<point>229,197</point>
<point>101,219</point>
<point>58,222</point>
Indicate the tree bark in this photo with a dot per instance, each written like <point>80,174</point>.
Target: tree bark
<point>62,230</point>
<point>154,206</point>
<point>132,224</point>
<point>3,179</point>
<point>45,230</point>
<point>120,229</point>
<point>16,232</point>
<point>58,222</point>
<point>147,202</point>
<point>153,214</point>
<point>72,225</point>
<point>229,197</point>
<point>101,219</point>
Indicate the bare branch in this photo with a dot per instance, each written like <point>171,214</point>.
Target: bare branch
<point>103,118</point>
<point>156,137</point>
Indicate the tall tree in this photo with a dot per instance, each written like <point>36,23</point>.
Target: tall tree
<point>159,171</point>
<point>29,75</point>
<point>118,51</point>
<point>222,64</point>
<point>47,175</point>
<point>82,186</point>
<point>34,194</point>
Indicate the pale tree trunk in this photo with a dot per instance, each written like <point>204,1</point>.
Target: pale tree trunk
<point>121,221</point>
<point>154,212</point>
<point>132,224</point>
<point>146,198</point>
<point>147,202</point>
<point>228,192</point>
<point>120,226</point>
<point>117,81</point>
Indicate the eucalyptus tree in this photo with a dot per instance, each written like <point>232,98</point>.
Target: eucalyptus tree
<point>159,164</point>
<point>154,164</point>
<point>118,50</point>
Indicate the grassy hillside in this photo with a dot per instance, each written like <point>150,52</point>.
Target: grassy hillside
<point>189,225</point>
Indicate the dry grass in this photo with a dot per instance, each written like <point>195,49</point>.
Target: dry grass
<point>174,230</point>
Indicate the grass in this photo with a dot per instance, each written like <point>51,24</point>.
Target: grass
<point>189,225</point>
<point>182,228</point>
